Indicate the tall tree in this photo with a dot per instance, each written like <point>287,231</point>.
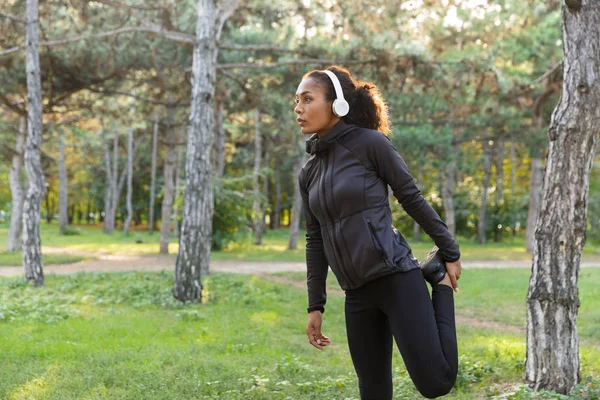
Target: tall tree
<point>16,189</point>
<point>169,185</point>
<point>256,208</point>
<point>196,227</point>
<point>552,301</point>
<point>63,195</point>
<point>487,171</point>
<point>32,253</point>
<point>129,170</point>
<point>153,176</point>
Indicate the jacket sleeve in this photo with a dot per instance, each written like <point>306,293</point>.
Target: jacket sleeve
<point>393,170</point>
<point>316,262</point>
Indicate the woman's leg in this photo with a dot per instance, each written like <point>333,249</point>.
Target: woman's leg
<point>370,343</point>
<point>424,329</point>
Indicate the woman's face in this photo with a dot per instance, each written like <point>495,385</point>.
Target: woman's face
<point>313,110</point>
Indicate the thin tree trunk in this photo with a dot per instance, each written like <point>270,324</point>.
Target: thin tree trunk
<point>153,176</point>
<point>219,151</point>
<point>167,202</point>
<point>178,179</point>
<point>129,171</point>
<point>63,198</point>
<point>416,226</point>
<point>297,207</point>
<point>499,159</point>
<point>16,190</point>
<point>277,214</point>
<point>265,202</point>
<point>487,171</point>
<point>110,196</point>
<point>196,225</point>
<point>535,185</point>
<point>513,170</point>
<point>32,254</point>
<point>256,208</point>
<point>552,301</point>
<point>448,197</point>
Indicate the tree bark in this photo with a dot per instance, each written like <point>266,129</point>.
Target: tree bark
<point>16,190</point>
<point>178,180</point>
<point>63,198</point>
<point>153,176</point>
<point>129,172</point>
<point>513,170</point>
<point>110,195</point>
<point>487,171</point>
<point>296,207</point>
<point>552,357</point>
<point>256,207</point>
<point>219,153</point>
<point>167,202</point>
<point>416,226</point>
<point>196,227</point>
<point>31,245</point>
<point>535,184</point>
<point>448,197</point>
<point>277,213</point>
<point>499,161</point>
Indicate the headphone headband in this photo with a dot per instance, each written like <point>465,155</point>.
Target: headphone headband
<point>340,105</point>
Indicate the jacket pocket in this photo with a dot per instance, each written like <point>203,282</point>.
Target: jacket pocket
<point>377,243</point>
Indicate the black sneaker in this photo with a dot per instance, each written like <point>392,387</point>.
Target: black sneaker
<point>433,267</point>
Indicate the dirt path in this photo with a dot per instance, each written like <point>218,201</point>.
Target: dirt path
<point>102,262</point>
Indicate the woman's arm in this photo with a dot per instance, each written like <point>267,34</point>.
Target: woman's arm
<point>392,169</point>
<point>316,262</point>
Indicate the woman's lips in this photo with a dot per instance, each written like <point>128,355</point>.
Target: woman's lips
<point>301,121</point>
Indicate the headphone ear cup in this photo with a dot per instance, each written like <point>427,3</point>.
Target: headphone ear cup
<point>340,107</point>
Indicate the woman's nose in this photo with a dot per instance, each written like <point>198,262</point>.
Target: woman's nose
<point>297,109</point>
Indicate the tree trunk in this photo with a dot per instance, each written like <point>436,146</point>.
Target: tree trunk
<point>63,198</point>
<point>167,202</point>
<point>448,197</point>
<point>552,301</point>
<point>277,213</point>
<point>487,171</point>
<point>256,207</point>
<point>129,171</point>
<point>297,207</point>
<point>31,245</point>
<point>219,151</point>
<point>16,190</point>
<point>153,176</point>
<point>416,226</point>
<point>535,184</point>
<point>110,195</point>
<point>513,170</point>
<point>178,179</point>
<point>196,225</point>
<point>499,159</point>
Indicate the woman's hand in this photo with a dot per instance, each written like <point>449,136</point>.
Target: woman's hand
<point>313,330</point>
<point>454,269</point>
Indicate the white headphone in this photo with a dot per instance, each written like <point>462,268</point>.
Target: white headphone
<point>340,106</point>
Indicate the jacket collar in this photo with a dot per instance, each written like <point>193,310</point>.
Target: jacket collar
<point>316,144</point>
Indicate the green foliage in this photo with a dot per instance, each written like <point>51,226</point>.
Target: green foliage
<point>231,214</point>
<point>70,230</point>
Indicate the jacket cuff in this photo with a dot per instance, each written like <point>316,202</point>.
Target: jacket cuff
<point>316,308</point>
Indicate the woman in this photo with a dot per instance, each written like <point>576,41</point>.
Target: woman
<point>349,228</point>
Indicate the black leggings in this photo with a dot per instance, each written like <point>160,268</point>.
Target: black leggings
<point>399,305</point>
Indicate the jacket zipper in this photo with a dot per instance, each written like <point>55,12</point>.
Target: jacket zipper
<point>335,246</point>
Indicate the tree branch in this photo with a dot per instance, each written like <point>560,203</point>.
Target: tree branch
<point>12,18</point>
<point>259,47</point>
<point>148,100</point>
<point>301,61</point>
<point>223,13</point>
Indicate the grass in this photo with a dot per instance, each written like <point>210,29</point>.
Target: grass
<point>16,259</point>
<point>122,336</point>
<point>274,247</point>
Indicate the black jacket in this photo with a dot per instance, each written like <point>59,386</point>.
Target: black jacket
<point>344,186</point>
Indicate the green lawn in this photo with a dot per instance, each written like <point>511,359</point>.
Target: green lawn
<point>122,336</point>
